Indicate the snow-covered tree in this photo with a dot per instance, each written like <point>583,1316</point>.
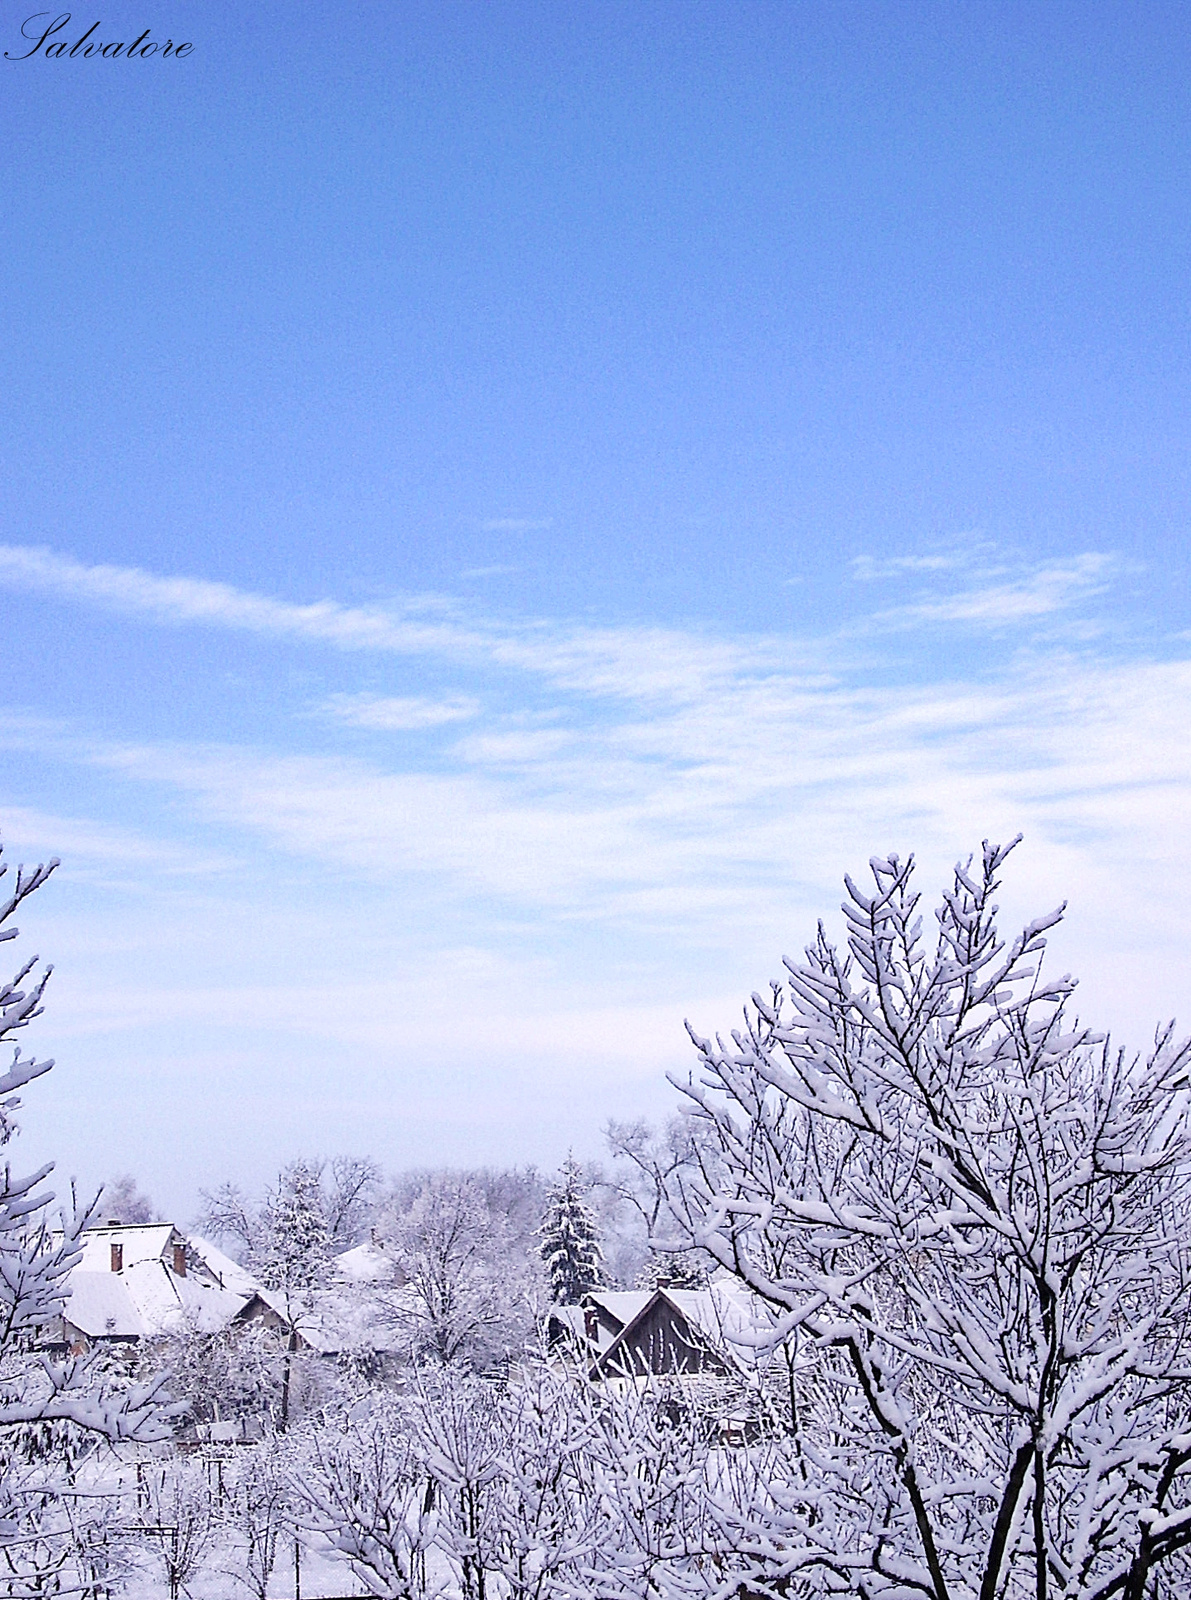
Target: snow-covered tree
<point>546,1517</point>
<point>971,1220</point>
<point>293,1250</point>
<point>343,1190</point>
<point>674,1269</point>
<point>43,1398</point>
<point>350,1186</point>
<point>570,1241</point>
<point>293,1256</point>
<point>122,1201</point>
<point>646,1245</point>
<point>468,1295</point>
<point>233,1372</point>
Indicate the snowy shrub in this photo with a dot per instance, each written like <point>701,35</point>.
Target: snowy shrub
<point>258,1512</point>
<point>360,1491</point>
<point>176,1521</point>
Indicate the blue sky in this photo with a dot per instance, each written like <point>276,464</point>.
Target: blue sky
<point>504,504</point>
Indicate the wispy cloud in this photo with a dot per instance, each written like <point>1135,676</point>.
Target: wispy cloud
<point>95,849</point>
<point>870,569</point>
<point>633,663</point>
<point>395,713</point>
<point>726,762</point>
<point>196,600</point>
<point>708,813</point>
<point>986,588</point>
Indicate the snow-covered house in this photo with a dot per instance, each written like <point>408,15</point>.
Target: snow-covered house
<point>351,1312</point>
<point>140,1281</point>
<point>144,1281</point>
<point>594,1324</point>
<point>683,1332</point>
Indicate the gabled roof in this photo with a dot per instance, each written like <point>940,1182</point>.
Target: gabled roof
<point>228,1273</point>
<point>730,1316</point>
<point>611,1310</point>
<point>722,1322</point>
<point>621,1304</point>
<point>367,1263</point>
<point>146,1298</point>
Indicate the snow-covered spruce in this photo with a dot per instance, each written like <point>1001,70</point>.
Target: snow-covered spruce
<point>570,1243</point>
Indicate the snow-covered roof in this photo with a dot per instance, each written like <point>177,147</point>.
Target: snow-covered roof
<point>146,1241</point>
<point>101,1307</point>
<point>146,1297</point>
<point>145,1301</point>
<point>572,1317</point>
<point>725,1317</point>
<point>366,1263</point>
<point>229,1273</point>
<point>731,1317</point>
<point>624,1304</point>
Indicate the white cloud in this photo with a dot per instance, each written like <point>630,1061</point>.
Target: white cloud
<point>396,713</point>
<point>632,663</point>
<point>195,600</point>
<point>704,815</point>
<point>869,569</point>
<point>99,849</point>
<point>652,666</point>
<point>1040,592</point>
<point>554,887</point>
<point>998,589</point>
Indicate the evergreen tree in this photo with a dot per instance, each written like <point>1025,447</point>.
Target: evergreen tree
<point>295,1245</point>
<point>570,1243</point>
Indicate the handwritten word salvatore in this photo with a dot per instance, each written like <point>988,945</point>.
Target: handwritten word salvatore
<point>85,45</point>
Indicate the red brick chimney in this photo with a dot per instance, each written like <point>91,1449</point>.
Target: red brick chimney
<point>117,1258</point>
<point>180,1260</point>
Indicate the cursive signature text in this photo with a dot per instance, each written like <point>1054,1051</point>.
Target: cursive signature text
<point>46,41</point>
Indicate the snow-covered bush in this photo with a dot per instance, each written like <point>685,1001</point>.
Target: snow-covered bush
<point>258,1512</point>
<point>176,1520</point>
<point>361,1493</point>
<point>234,1372</point>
